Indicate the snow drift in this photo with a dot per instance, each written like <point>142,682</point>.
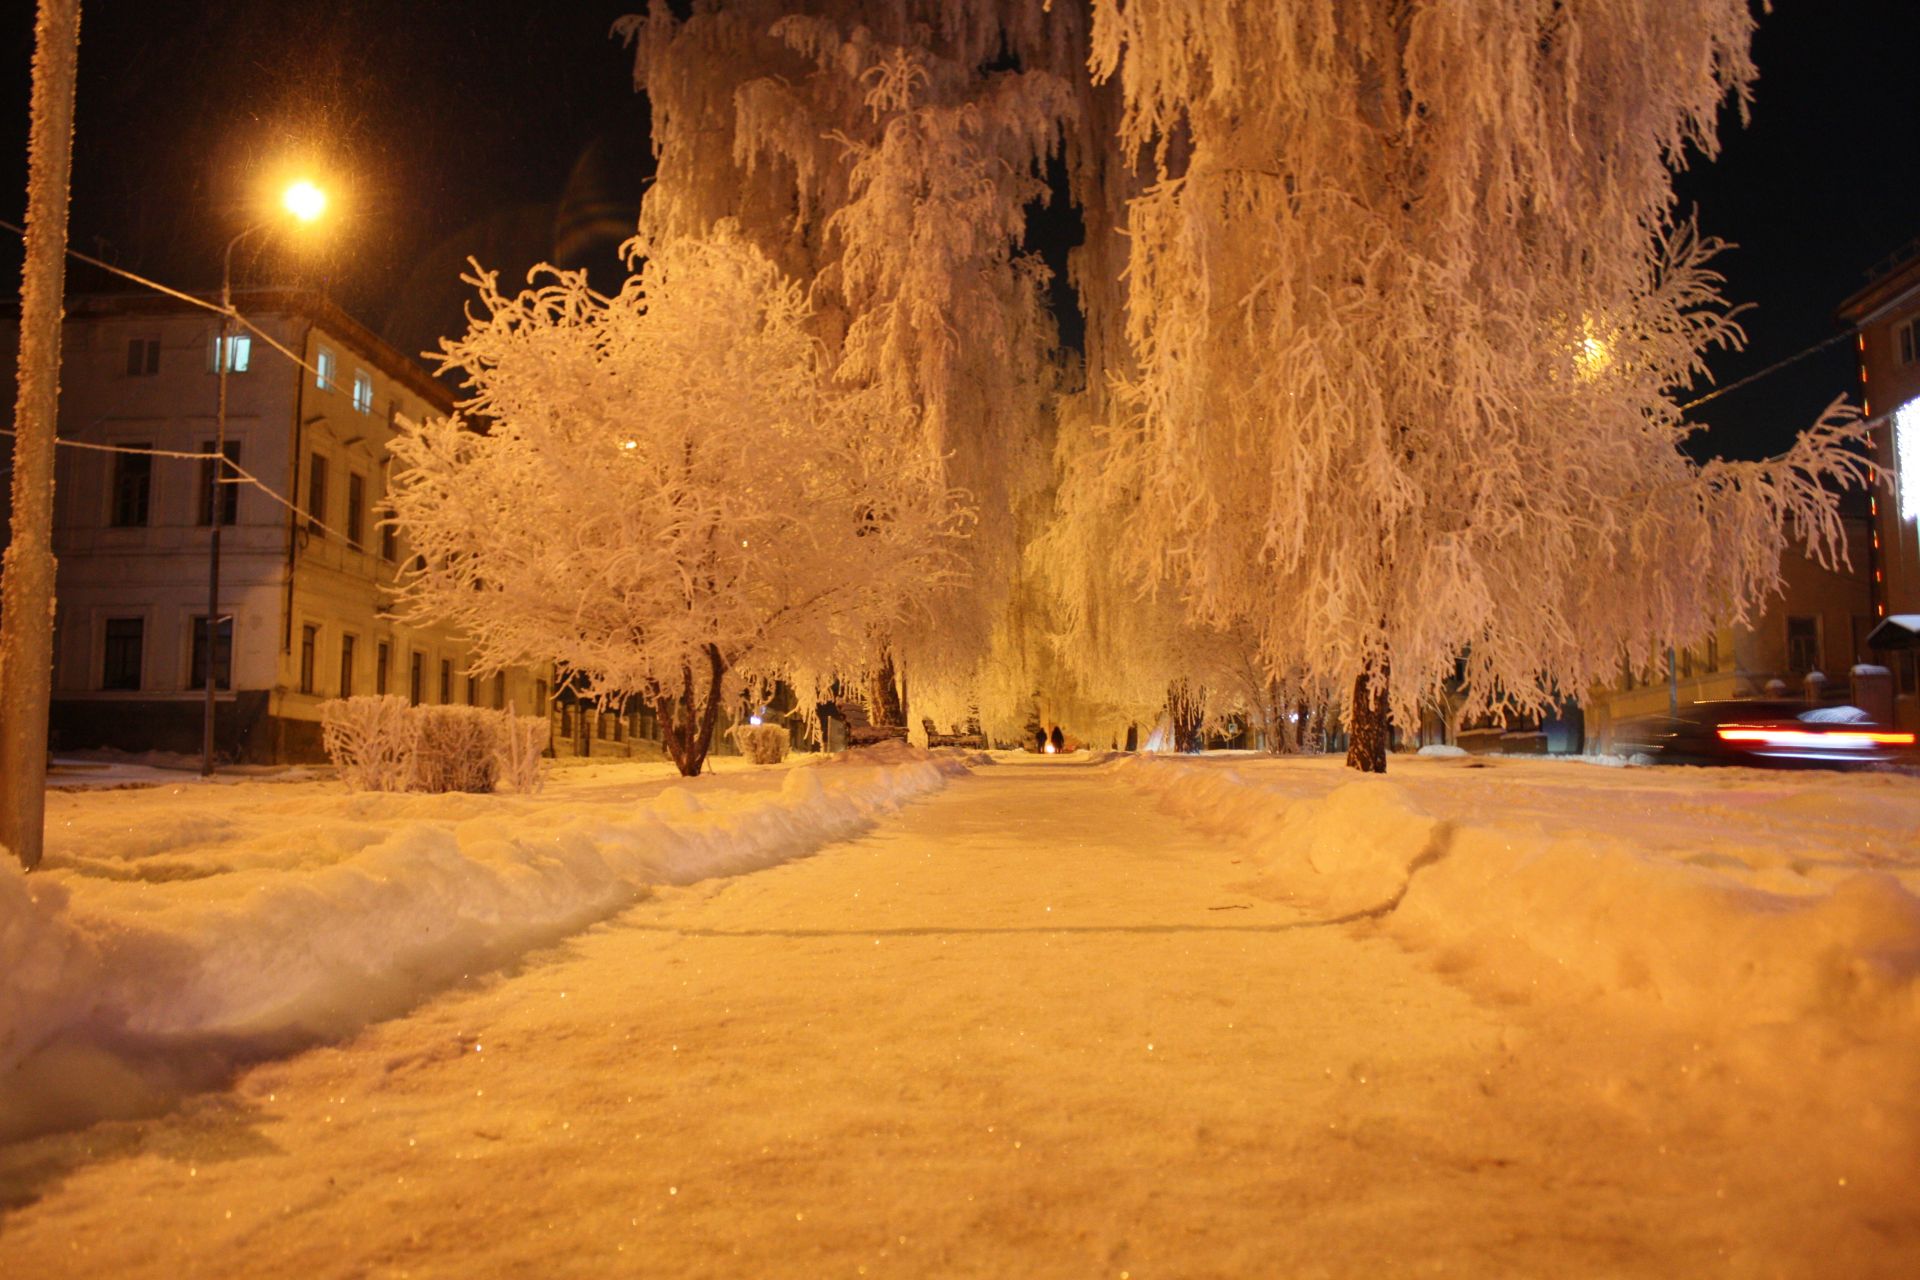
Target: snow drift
<point>162,955</point>
<point>1727,897</point>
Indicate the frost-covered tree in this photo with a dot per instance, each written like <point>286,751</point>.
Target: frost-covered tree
<point>1407,305</point>
<point>884,151</point>
<point>666,491</point>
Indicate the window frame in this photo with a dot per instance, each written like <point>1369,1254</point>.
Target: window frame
<point>317,494</point>
<point>143,357</point>
<point>356,510</point>
<point>240,347</point>
<point>124,469</point>
<point>326,366</point>
<point>362,391</point>
<point>222,652</point>
<point>132,679</point>
<point>229,493</point>
<point>309,657</point>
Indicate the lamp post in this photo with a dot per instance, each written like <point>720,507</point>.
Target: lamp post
<point>305,202</point>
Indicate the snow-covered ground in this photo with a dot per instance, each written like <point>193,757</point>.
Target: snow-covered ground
<point>1042,1023</point>
<point>177,927</point>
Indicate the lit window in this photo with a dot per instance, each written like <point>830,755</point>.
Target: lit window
<point>323,369</point>
<point>239,353</point>
<point>362,391</point>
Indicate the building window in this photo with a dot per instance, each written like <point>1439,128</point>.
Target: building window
<point>309,644</point>
<point>389,538</point>
<point>362,391</point>
<point>324,366</point>
<point>222,655</point>
<point>143,357</point>
<point>346,666</point>
<point>1713,652</point>
<point>446,681</point>
<point>1907,338</point>
<point>382,654</point>
<point>1803,645</point>
<point>539,697</point>
<point>500,691</point>
<point>210,484</point>
<point>132,487</point>
<point>120,668</point>
<point>416,680</point>
<point>239,353</point>
<point>600,725</point>
<point>317,496</point>
<point>356,509</point>
<point>1686,663</point>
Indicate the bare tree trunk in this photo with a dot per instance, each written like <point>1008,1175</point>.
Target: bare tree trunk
<point>687,720</point>
<point>1367,738</point>
<point>1300,725</point>
<point>1187,709</point>
<point>26,627</point>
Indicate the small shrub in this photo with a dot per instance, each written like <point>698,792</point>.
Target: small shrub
<point>371,740</point>
<point>521,740</point>
<point>761,743</point>
<point>457,749</point>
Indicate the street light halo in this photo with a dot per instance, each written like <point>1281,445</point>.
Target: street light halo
<point>304,200</point>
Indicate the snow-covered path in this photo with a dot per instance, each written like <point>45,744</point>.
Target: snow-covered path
<point>1027,1027</point>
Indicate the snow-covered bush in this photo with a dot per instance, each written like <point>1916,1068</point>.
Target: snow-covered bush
<point>371,741</point>
<point>521,740</point>
<point>457,748</point>
<point>761,743</point>
<point>384,744</point>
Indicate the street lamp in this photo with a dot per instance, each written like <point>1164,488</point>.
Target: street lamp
<point>305,202</point>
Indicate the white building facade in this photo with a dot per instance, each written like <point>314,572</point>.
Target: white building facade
<point>304,593</point>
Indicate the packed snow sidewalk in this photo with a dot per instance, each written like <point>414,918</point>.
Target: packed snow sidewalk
<point>177,929</point>
<point>1032,1025</point>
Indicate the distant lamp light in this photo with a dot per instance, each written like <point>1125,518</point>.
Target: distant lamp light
<point>753,719</point>
<point>1906,453</point>
<point>1593,357</point>
<point>305,201</point>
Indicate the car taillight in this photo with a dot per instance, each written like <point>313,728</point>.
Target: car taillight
<point>1839,739</point>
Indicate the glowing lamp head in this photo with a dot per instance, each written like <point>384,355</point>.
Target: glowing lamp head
<point>304,201</point>
<point>1051,748</point>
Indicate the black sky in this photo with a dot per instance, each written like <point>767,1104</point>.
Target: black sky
<point>454,127</point>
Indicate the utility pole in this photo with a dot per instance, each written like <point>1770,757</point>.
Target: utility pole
<point>26,627</point>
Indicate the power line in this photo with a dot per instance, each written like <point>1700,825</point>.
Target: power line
<point>1775,367</point>
<point>171,292</point>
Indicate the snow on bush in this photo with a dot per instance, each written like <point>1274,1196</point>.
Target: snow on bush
<point>120,993</point>
<point>761,743</point>
<point>384,744</point>
<point>457,749</point>
<point>371,741</point>
<point>521,741</point>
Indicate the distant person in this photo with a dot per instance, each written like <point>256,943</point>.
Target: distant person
<point>1058,739</point>
<point>1040,740</point>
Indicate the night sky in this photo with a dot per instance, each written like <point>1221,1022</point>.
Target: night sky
<point>509,130</point>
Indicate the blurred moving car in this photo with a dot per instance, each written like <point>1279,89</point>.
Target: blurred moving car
<point>1751,731</point>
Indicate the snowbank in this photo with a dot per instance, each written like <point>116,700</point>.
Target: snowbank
<point>175,934</point>
<point>1727,897</point>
